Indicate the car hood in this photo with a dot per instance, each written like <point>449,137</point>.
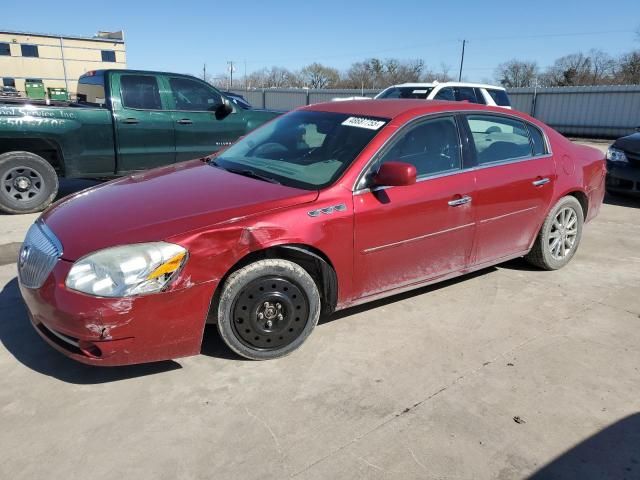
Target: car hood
<point>630,143</point>
<point>161,203</point>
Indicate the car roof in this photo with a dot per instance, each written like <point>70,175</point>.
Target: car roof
<point>447,84</point>
<point>391,108</point>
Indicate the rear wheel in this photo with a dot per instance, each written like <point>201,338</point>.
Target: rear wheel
<point>28,183</point>
<point>268,309</point>
<point>559,236</point>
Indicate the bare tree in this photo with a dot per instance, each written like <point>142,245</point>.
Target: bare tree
<point>274,77</point>
<point>517,73</point>
<point>629,69</point>
<point>319,76</point>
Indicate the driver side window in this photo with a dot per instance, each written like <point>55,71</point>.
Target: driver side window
<point>193,96</point>
<point>432,146</point>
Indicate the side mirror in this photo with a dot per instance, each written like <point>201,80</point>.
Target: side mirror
<point>395,174</point>
<point>222,110</point>
<point>638,128</point>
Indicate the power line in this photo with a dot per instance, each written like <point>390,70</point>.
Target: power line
<point>441,42</point>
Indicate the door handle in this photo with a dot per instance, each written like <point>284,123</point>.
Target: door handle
<point>130,120</point>
<point>460,201</point>
<point>540,182</point>
<point>185,121</point>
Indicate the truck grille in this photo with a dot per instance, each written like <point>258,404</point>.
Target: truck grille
<point>39,253</point>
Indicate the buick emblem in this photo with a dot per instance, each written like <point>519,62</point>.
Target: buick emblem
<point>24,256</point>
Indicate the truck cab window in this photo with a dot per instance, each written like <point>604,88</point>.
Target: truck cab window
<point>193,96</point>
<point>141,92</point>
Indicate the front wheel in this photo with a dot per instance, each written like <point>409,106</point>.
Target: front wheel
<point>28,183</point>
<point>559,236</point>
<point>268,309</point>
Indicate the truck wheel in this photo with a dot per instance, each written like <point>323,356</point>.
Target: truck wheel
<point>28,182</point>
<point>559,236</point>
<point>268,309</point>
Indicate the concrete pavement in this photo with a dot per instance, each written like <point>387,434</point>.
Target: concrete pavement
<point>499,374</point>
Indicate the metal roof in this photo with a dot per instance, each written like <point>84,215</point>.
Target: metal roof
<point>70,37</point>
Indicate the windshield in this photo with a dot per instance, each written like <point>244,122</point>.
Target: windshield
<point>406,92</point>
<point>303,149</point>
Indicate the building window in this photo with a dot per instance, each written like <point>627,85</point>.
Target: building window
<point>5,50</point>
<point>29,50</point>
<point>108,56</point>
<point>9,82</point>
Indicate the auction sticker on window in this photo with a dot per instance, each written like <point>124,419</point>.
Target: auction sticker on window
<point>361,122</point>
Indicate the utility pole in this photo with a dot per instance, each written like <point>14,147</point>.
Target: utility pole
<point>230,63</point>
<point>464,42</point>
<point>204,72</point>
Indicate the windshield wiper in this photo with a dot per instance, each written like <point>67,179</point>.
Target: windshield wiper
<point>251,174</point>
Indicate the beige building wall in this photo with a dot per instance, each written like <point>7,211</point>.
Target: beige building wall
<point>60,61</point>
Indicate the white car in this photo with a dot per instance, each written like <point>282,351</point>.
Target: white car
<point>453,91</point>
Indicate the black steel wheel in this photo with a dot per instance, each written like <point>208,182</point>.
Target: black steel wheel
<point>28,183</point>
<point>267,309</point>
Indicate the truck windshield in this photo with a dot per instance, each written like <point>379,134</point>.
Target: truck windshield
<point>303,149</point>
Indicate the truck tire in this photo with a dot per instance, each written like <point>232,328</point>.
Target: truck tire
<point>268,309</point>
<point>559,236</point>
<point>28,183</point>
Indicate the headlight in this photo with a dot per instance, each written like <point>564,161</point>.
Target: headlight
<point>127,270</point>
<point>616,155</point>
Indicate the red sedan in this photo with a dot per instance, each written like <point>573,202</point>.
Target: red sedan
<point>326,207</point>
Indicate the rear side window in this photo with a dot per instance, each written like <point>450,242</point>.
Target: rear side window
<point>432,146</point>
<point>479,96</point>
<point>91,90</point>
<point>140,91</point>
<point>537,139</point>
<point>445,94</point>
<point>190,95</point>
<point>497,139</point>
<point>500,97</point>
<point>466,94</point>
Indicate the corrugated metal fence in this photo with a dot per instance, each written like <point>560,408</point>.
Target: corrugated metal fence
<point>602,111</point>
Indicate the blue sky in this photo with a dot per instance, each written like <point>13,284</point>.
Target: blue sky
<point>182,36</point>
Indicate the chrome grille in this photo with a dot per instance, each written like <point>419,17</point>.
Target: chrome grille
<point>39,253</point>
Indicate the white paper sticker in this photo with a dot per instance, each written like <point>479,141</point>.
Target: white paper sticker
<point>360,122</point>
<point>419,91</point>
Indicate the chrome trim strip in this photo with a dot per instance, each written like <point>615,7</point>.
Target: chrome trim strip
<point>415,239</point>
<point>400,128</point>
<point>487,220</point>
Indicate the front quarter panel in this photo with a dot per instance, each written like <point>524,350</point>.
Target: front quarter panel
<point>214,251</point>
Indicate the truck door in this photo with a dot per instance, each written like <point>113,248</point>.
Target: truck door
<point>197,131</point>
<point>144,126</point>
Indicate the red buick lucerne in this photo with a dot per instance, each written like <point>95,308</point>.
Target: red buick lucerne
<point>325,207</point>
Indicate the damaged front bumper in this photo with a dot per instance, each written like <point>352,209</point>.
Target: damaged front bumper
<point>118,331</point>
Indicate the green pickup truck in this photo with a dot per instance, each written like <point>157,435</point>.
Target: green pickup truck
<point>123,121</point>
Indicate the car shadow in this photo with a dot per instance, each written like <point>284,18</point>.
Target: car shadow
<point>403,296</point>
<point>74,185</point>
<point>20,339</point>
<point>613,452</point>
<point>622,200</point>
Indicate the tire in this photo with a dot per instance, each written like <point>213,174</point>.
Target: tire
<point>28,183</point>
<point>549,253</point>
<point>268,309</point>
